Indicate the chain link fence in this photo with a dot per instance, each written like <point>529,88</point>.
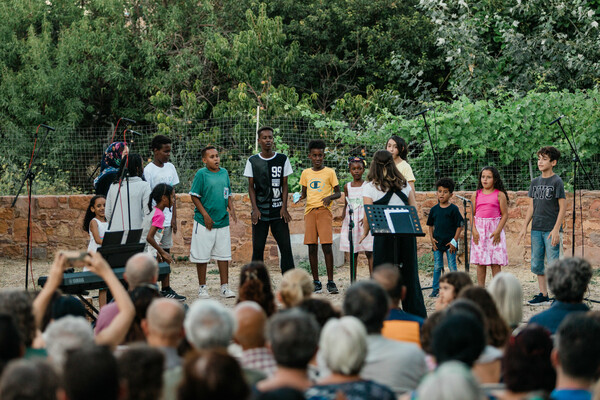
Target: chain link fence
<point>69,159</point>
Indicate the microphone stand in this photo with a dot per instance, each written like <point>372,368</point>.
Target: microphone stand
<point>435,156</point>
<point>30,177</point>
<point>576,162</point>
<point>351,241</point>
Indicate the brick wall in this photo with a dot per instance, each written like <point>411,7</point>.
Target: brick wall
<point>57,224</point>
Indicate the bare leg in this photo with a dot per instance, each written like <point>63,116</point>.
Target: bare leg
<point>481,272</point>
<point>369,255</point>
<point>328,253</point>
<point>201,270</point>
<point>313,258</point>
<point>223,271</point>
<point>496,269</point>
<point>542,284</point>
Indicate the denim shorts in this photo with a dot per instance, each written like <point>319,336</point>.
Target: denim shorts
<point>541,246</point>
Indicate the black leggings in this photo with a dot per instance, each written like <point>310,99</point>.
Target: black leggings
<point>281,233</point>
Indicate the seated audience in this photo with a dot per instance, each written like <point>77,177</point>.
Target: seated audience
<point>29,380</point>
<point>497,329</point>
<point>343,347</point>
<point>427,338</point>
<point>11,346</point>
<point>18,305</point>
<point>140,372</point>
<point>141,297</point>
<point>66,334</point>
<point>398,325</point>
<point>296,285</point>
<point>91,373</point>
<point>398,365</point>
<point>250,335</point>
<point>568,279</point>
<point>293,337</point>
<point>255,285</point>
<point>320,308</point>
<point>507,293</point>
<point>576,357</point>
<point>451,381</point>
<point>163,328</point>
<point>451,284</point>
<point>459,336</point>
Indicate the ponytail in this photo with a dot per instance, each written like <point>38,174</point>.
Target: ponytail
<point>160,190</point>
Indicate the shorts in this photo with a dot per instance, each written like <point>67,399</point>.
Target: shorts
<point>166,242</point>
<point>318,226</point>
<point>541,246</point>
<point>206,245</point>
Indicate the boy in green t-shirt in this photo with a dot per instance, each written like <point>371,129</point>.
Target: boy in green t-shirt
<point>211,194</point>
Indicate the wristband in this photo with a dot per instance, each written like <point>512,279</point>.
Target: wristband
<point>454,243</point>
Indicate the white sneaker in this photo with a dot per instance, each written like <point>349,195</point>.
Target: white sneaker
<point>203,292</point>
<point>226,292</point>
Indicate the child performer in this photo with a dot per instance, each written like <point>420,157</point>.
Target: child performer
<point>211,194</point>
<point>267,174</point>
<point>95,223</point>
<point>154,223</point>
<point>547,209</point>
<point>399,149</point>
<point>445,225</point>
<point>160,170</point>
<point>488,244</point>
<point>320,187</point>
<point>354,199</point>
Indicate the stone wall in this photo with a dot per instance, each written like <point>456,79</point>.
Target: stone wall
<point>57,224</point>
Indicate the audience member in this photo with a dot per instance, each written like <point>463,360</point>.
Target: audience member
<point>576,357</point>
<point>568,279</point>
<point>343,347</point>
<point>255,285</point>
<point>66,334</point>
<point>451,284</point>
<point>29,380</point>
<point>281,394</point>
<point>497,329</point>
<point>142,297</point>
<point>212,374</point>
<point>507,293</point>
<point>163,328</point>
<point>396,364</point>
<point>293,337</point>
<point>459,336</point>
<point>140,372</point>
<point>296,285</point>
<point>91,373</point>
<point>11,345</point>
<point>250,335</point>
<point>17,303</point>
<point>451,381</point>
<point>398,325</point>
<point>320,308</point>
<point>427,338</point>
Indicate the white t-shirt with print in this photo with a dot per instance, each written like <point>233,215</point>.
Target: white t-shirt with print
<point>167,174</point>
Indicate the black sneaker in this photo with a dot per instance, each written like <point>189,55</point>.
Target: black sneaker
<point>318,287</point>
<point>169,293</point>
<point>332,288</point>
<point>539,300</point>
<point>434,293</point>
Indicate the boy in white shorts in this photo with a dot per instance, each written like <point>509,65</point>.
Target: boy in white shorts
<point>211,194</point>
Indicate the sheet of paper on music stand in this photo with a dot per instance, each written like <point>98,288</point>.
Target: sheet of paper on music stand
<point>393,218</point>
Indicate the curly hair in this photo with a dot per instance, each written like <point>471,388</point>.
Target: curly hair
<point>498,184</point>
<point>255,285</point>
<point>383,172</point>
<point>552,153</point>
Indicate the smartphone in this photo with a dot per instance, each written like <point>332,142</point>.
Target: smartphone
<point>75,258</point>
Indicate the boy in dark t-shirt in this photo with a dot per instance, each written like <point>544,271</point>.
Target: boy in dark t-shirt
<point>547,208</point>
<point>267,174</point>
<point>445,225</point>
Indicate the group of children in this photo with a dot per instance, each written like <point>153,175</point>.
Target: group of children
<point>268,173</point>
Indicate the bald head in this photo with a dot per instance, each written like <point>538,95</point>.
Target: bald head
<point>164,321</point>
<point>140,269</point>
<point>251,320</point>
<point>390,279</point>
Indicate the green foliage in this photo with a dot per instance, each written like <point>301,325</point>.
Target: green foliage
<point>305,265</point>
<point>11,176</point>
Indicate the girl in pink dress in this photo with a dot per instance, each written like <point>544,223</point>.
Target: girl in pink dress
<point>354,199</point>
<point>488,243</point>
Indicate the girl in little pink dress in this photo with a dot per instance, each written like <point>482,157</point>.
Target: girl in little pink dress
<point>354,200</point>
<point>488,243</point>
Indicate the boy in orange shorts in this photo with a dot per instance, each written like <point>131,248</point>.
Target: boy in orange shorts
<point>320,187</point>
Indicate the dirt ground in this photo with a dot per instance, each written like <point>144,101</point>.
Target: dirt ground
<point>184,281</point>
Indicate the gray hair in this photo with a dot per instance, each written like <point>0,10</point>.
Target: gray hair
<point>29,379</point>
<point>568,279</point>
<point>141,268</point>
<point>451,381</point>
<point>507,293</point>
<point>294,338</point>
<point>65,334</point>
<point>209,324</point>
<point>343,345</point>
<point>17,303</point>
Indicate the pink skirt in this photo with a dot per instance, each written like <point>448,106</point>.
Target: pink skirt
<point>485,253</point>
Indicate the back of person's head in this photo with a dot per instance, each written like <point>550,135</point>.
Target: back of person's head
<point>296,285</point>
<point>497,330</point>
<point>158,141</point>
<point>209,324</point>
<point>446,183</point>
<point>390,279</point>
<point>526,366</point>
<point>343,345</point>
<point>293,336</point>
<point>134,165</point>
<point>320,308</point>
<point>141,269</point>
<point>142,297</point>
<point>569,278</point>
<point>141,371</point>
<point>285,393</point>
<point>457,279</point>
<point>66,334</point>
<point>11,346</point>
<point>255,285</point>
<point>164,318</point>
<point>451,381</point>
<point>577,346</point>
<point>63,306</point>
<point>17,303</point>
<point>367,301</point>
<point>469,307</point>
<point>507,293</point>
<point>551,152</point>
<point>384,174</point>
<point>212,374</point>
<point>31,379</point>
<point>458,337</point>
<point>251,322</point>
<point>427,328</point>
<point>91,373</point>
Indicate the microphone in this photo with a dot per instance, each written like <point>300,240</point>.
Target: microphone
<point>463,198</point>
<point>422,112</point>
<point>47,127</point>
<point>134,132</point>
<point>556,120</point>
<point>128,120</point>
